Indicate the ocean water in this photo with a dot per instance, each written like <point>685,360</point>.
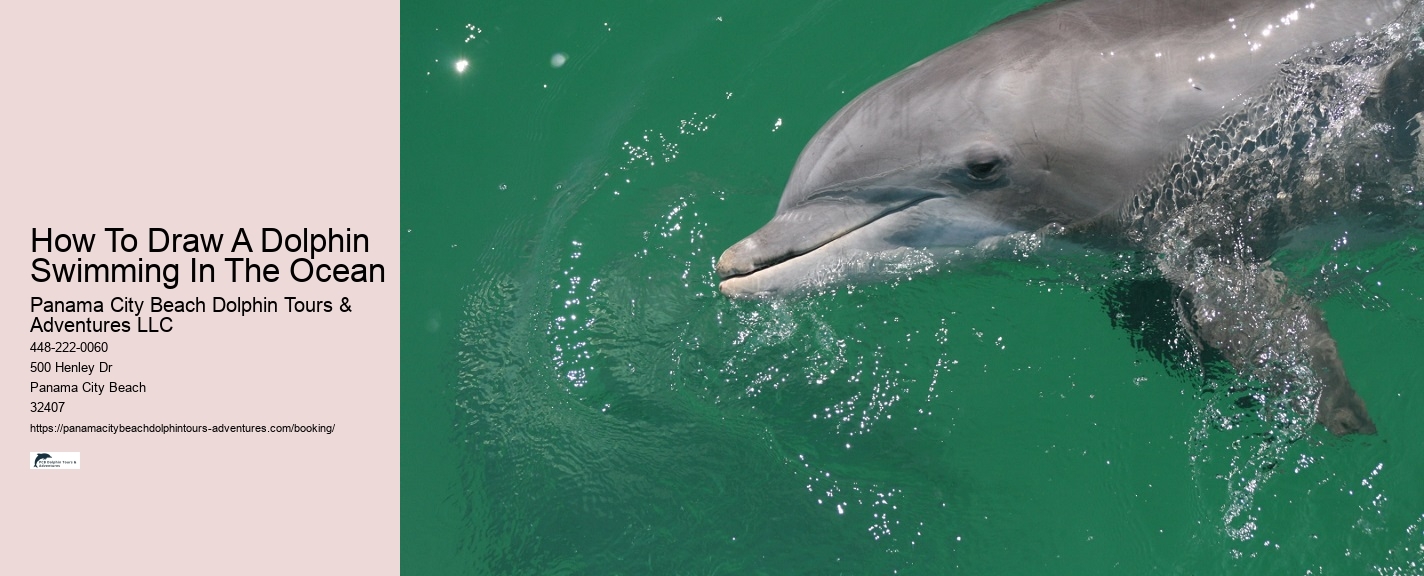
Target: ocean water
<point>577,397</point>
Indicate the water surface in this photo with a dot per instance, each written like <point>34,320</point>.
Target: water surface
<point>579,399</point>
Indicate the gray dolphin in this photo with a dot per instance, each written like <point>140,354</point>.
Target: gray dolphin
<point>1115,119</point>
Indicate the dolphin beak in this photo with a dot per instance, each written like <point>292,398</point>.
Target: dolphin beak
<point>809,226</point>
<point>837,235</point>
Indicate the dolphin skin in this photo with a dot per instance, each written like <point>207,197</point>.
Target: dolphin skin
<point>1200,131</point>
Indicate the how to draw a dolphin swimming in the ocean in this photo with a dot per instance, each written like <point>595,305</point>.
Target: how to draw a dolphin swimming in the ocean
<point>1200,131</point>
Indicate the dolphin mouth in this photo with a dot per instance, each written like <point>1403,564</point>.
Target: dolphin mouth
<point>800,232</point>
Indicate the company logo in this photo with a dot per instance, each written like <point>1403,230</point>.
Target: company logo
<point>54,460</point>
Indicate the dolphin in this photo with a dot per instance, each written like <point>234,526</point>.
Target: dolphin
<point>38,457</point>
<point>1161,125</point>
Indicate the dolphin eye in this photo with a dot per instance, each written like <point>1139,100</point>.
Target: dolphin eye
<point>980,168</point>
<point>983,170</point>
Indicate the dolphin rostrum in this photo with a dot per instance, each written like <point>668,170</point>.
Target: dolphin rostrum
<point>1198,130</point>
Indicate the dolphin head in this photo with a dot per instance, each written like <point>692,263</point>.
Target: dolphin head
<point>1048,117</point>
<point>959,149</point>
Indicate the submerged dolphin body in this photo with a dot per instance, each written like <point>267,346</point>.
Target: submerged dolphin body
<point>1194,129</point>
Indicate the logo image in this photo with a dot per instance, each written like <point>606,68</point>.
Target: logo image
<point>54,460</point>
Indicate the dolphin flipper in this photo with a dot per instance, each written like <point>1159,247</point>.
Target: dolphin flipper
<point>1245,311</point>
<point>1399,103</point>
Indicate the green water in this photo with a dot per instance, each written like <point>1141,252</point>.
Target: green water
<point>578,399</point>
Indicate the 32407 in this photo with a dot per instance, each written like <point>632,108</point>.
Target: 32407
<point>46,406</point>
